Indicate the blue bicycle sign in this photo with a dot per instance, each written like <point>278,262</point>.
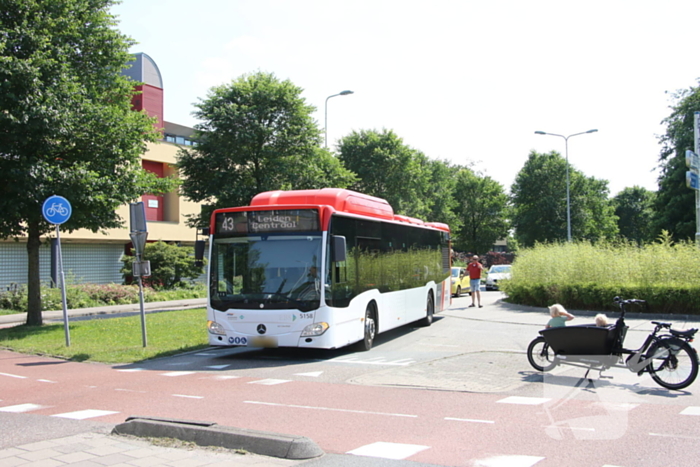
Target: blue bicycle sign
<point>56,209</point>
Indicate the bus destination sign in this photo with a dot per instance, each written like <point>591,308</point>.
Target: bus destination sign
<point>273,221</point>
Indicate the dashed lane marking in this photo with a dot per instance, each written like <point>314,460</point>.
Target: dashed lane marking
<point>222,377</point>
<point>13,376</point>
<point>396,451</point>
<point>218,367</point>
<point>270,382</point>
<point>313,374</point>
<point>373,361</point>
<point>84,414</point>
<point>46,381</point>
<point>130,370</point>
<point>524,400</point>
<point>274,404</point>
<point>187,396</point>
<point>21,408</point>
<point>178,373</point>
<point>471,420</point>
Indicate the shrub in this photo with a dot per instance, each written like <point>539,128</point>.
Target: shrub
<point>170,265</point>
<point>583,275</point>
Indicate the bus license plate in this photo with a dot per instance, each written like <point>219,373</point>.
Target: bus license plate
<point>265,341</point>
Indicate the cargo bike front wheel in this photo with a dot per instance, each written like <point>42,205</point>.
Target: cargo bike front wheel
<point>540,355</point>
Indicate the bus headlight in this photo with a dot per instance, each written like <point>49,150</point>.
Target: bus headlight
<point>215,328</point>
<point>315,329</point>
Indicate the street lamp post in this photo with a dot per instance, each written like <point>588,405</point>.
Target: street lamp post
<point>568,198</point>
<point>325,128</point>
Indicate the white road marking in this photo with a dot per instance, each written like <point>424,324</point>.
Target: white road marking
<point>188,397</point>
<point>21,408</point>
<point>314,374</point>
<point>330,409</point>
<point>224,377</point>
<point>384,450</point>
<point>691,411</point>
<point>668,435</point>
<point>131,370</point>
<point>13,376</point>
<point>472,420</point>
<point>84,414</point>
<point>373,361</point>
<point>178,373</point>
<point>524,400</point>
<point>508,461</point>
<point>46,381</point>
<point>129,390</point>
<point>218,367</point>
<point>270,382</point>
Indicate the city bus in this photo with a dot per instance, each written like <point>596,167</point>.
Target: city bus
<point>321,269</point>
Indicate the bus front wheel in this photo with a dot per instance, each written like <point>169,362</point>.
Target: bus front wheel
<point>370,328</point>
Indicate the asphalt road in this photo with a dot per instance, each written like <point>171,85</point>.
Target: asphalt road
<point>457,393</point>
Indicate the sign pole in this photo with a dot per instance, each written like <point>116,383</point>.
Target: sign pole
<point>139,234</point>
<point>63,286</point>
<point>696,130</point>
<point>56,211</point>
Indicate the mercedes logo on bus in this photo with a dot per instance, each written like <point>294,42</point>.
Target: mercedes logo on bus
<point>261,329</point>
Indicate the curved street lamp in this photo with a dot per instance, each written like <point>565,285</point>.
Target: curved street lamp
<point>325,128</point>
<point>568,200</point>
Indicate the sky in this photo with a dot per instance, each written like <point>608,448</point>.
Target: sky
<point>464,81</point>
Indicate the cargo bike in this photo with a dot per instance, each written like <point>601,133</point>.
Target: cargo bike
<point>666,354</point>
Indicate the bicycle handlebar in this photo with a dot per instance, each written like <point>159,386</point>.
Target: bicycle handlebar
<point>622,301</point>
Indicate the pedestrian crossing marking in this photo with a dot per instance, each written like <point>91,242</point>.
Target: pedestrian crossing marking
<point>21,408</point>
<point>508,461</point>
<point>84,414</point>
<point>691,411</point>
<point>395,451</point>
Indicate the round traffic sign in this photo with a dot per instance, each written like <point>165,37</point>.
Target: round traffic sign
<point>56,209</point>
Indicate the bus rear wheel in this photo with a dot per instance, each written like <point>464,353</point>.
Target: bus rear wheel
<point>370,328</point>
<point>429,311</point>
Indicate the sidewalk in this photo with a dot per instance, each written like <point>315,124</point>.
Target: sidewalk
<point>149,307</point>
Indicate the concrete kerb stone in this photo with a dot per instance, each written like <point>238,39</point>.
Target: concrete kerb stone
<point>211,434</point>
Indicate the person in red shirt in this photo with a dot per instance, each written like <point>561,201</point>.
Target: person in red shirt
<point>475,267</point>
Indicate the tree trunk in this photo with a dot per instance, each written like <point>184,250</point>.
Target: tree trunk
<point>34,317</point>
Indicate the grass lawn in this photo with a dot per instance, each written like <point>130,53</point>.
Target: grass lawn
<point>113,340</point>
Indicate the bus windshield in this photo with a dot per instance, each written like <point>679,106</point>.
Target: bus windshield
<point>275,271</point>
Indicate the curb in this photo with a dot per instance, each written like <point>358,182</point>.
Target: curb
<point>210,434</point>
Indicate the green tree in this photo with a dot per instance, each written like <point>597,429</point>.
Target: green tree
<point>674,207</point>
<point>481,209</point>
<point>538,201</point>
<point>66,124</point>
<point>387,168</point>
<point>634,207</point>
<point>170,264</point>
<point>439,192</point>
<point>258,135</point>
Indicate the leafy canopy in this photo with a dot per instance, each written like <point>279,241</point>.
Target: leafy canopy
<point>538,199</point>
<point>257,135</point>
<point>66,124</point>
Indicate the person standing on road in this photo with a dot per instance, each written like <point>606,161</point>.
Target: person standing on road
<point>475,267</point>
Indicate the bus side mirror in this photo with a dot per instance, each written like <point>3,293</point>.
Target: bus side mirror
<point>338,248</point>
<point>199,253</point>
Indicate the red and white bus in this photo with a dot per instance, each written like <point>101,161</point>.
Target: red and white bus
<point>321,269</point>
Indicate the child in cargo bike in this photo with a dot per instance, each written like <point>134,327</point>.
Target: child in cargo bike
<point>559,316</point>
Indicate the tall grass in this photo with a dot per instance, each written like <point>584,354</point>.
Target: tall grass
<point>583,275</point>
